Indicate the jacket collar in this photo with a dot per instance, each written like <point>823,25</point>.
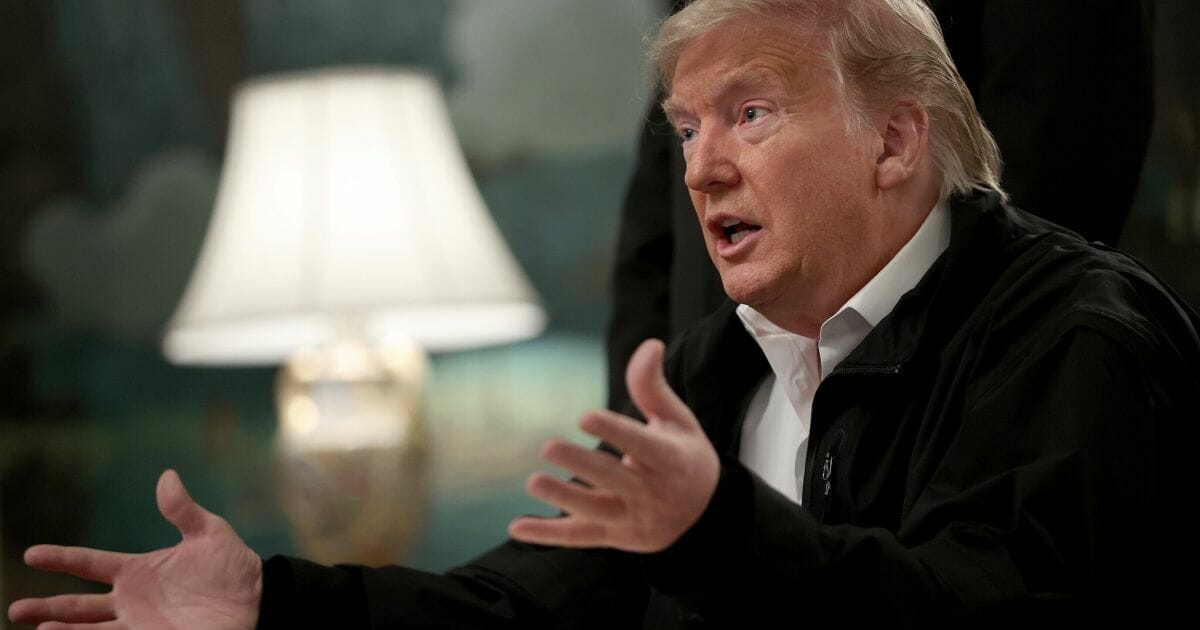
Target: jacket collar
<point>982,231</point>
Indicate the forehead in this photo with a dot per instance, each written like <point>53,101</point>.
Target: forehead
<point>743,54</point>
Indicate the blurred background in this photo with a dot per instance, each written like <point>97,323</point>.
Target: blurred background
<point>113,119</point>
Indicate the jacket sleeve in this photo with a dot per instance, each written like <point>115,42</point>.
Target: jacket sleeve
<point>512,586</point>
<point>1048,498</point>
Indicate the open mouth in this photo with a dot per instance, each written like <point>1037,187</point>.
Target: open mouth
<point>736,230</point>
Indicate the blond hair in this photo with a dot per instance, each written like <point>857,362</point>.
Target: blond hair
<point>880,51</point>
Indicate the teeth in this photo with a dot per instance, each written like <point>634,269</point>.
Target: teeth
<point>729,223</point>
<point>738,236</point>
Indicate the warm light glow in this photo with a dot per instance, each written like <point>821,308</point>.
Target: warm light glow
<point>404,359</point>
<point>350,360</point>
<point>332,415</point>
<point>344,197</point>
<point>300,416</point>
<point>307,365</point>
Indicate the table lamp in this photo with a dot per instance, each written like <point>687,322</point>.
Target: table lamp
<point>348,238</point>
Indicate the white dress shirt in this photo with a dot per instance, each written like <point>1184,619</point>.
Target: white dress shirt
<point>775,429</point>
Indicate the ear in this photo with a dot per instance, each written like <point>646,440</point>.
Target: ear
<point>905,139</point>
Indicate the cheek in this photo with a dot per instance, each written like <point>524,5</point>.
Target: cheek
<point>814,203</point>
<point>699,201</point>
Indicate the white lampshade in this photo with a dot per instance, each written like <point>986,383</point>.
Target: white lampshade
<point>345,200</point>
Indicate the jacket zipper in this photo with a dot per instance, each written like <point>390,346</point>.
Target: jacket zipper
<point>867,369</point>
<point>828,470</point>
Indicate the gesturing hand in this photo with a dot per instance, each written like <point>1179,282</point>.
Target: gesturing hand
<point>643,501</point>
<point>211,579</point>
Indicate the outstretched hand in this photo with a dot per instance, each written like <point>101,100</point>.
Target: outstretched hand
<point>643,501</point>
<point>211,579</point>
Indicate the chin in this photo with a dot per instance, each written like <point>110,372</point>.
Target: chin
<point>742,290</point>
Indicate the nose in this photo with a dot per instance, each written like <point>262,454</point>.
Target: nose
<point>711,163</point>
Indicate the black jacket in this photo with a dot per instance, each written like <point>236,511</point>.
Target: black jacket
<point>1007,446</point>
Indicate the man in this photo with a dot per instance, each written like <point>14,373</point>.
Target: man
<point>994,440</point>
<point>1044,75</point>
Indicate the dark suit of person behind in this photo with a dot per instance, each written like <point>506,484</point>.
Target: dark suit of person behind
<point>1065,87</point>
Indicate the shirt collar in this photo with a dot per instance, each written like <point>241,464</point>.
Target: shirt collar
<point>880,294</point>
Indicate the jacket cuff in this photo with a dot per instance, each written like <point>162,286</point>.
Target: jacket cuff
<point>298,593</point>
<point>278,595</point>
<point>713,546</point>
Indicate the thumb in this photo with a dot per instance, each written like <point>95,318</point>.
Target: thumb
<point>649,389</point>
<point>177,506</point>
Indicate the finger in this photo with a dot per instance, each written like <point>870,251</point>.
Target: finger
<point>648,387</point>
<point>561,532</point>
<point>629,436</point>
<point>66,608</point>
<point>574,498</point>
<point>598,468</point>
<point>82,562</point>
<point>107,625</point>
<point>178,507</point>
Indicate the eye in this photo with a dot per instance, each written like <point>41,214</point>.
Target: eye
<point>751,114</point>
<point>687,133</point>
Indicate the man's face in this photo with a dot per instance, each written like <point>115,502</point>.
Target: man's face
<point>783,191</point>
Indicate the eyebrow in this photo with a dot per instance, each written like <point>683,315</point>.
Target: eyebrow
<point>672,110</point>
<point>730,82</point>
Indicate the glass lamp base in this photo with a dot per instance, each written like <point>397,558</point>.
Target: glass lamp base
<point>353,451</point>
